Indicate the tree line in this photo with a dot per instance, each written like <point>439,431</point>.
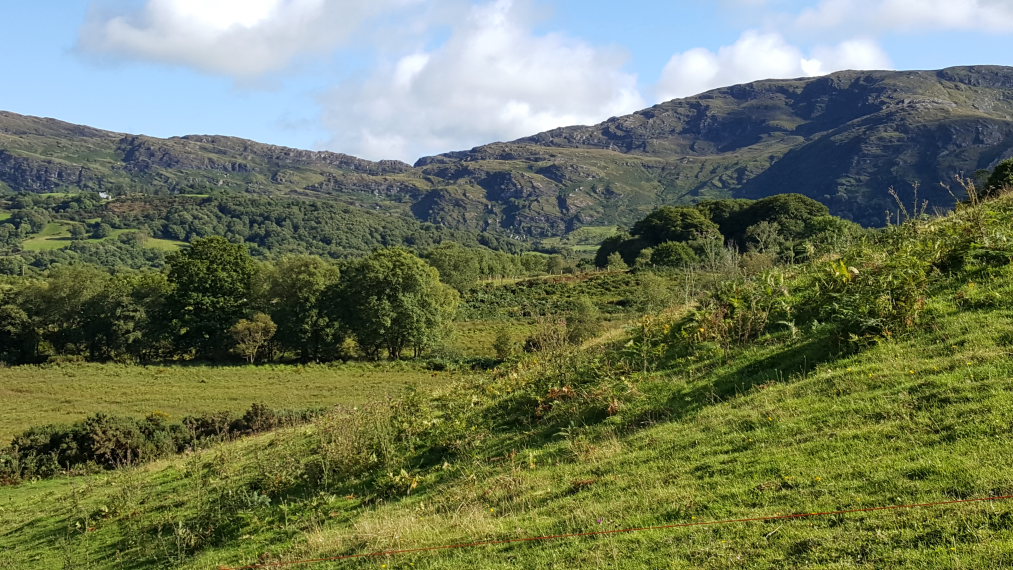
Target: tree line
<point>269,226</point>
<point>213,301</point>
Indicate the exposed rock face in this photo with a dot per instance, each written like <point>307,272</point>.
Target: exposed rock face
<point>144,154</point>
<point>33,175</point>
<point>844,139</point>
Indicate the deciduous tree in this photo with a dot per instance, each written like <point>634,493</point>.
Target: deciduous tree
<point>393,300</point>
<point>211,283</point>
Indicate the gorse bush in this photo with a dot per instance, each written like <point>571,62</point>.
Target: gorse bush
<point>102,441</point>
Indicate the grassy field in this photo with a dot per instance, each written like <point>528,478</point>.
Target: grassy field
<point>586,238</point>
<point>769,430</point>
<point>33,395</point>
<point>167,245</point>
<point>56,235</point>
<point>665,423</point>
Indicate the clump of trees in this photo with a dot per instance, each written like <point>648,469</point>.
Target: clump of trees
<point>781,226</point>
<point>1000,179</point>
<point>215,302</point>
<point>393,300</point>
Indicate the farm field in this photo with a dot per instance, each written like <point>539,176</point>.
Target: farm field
<point>37,395</point>
<point>56,235</point>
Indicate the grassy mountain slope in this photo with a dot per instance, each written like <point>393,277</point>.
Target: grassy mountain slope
<point>666,425</point>
<point>843,139</point>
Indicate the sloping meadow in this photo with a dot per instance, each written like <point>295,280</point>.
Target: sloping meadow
<point>877,375</point>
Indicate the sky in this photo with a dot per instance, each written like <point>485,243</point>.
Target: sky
<point>401,79</point>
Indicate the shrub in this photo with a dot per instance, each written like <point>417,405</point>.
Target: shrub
<point>674,254</point>
<point>742,310</point>
<point>1000,179</point>
<point>583,322</point>
<point>878,298</point>
<point>374,447</point>
<point>109,442</point>
<point>504,345</point>
<point>550,336</point>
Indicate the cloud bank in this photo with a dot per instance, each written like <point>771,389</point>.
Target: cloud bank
<point>493,79</point>
<point>759,55</point>
<point>992,16</point>
<point>236,38</point>
<point>458,73</point>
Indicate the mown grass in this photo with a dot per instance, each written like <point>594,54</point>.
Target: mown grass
<point>37,395</point>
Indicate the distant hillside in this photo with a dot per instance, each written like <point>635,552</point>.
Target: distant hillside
<point>843,139</point>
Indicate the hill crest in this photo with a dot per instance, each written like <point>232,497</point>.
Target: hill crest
<point>843,139</point>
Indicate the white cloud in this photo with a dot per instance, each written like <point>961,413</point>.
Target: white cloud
<point>493,79</point>
<point>240,38</point>
<point>995,16</point>
<point>757,55</point>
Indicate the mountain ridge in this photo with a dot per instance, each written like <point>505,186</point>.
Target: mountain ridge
<point>844,139</point>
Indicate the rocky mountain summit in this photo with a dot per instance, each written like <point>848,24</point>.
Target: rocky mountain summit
<point>843,139</point>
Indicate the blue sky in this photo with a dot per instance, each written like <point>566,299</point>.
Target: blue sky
<point>407,78</point>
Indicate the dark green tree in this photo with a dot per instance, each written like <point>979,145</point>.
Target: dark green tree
<point>670,223</point>
<point>791,212</point>
<point>608,247</point>
<point>1000,179</point>
<point>123,320</point>
<point>628,248</point>
<point>459,267</point>
<point>724,212</point>
<point>211,289</point>
<point>295,288</point>
<point>393,300</point>
<point>19,341</point>
<point>674,254</point>
<point>61,307</point>
<point>101,230</point>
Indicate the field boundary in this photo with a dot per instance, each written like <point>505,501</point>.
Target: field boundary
<point>383,553</point>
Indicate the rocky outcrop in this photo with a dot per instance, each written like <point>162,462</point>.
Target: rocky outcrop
<point>33,175</point>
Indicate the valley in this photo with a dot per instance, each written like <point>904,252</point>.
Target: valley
<point>752,303</point>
